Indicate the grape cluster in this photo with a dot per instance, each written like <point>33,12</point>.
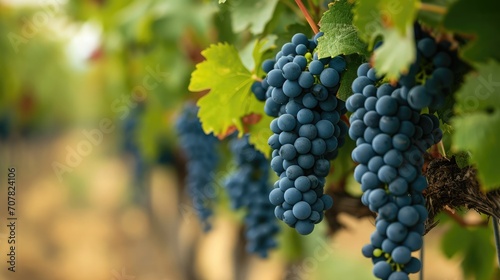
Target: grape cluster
<point>201,155</point>
<point>248,188</point>
<point>300,91</point>
<point>430,78</point>
<point>391,137</point>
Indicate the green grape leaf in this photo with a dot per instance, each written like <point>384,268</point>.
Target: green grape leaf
<point>222,1</point>
<point>353,61</point>
<point>396,54</point>
<point>340,35</point>
<point>230,99</point>
<point>477,124</point>
<point>251,14</point>
<point>476,248</point>
<point>391,21</point>
<point>479,24</point>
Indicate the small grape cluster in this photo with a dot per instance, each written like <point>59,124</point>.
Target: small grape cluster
<point>300,91</point>
<point>391,137</point>
<point>248,188</point>
<point>430,78</point>
<point>201,155</point>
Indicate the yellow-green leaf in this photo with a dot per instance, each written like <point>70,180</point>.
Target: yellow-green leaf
<point>229,98</point>
<point>396,53</point>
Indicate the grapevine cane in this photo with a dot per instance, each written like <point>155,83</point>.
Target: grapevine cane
<point>308,17</point>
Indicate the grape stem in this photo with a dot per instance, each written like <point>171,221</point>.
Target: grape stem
<point>308,17</point>
<point>441,146</point>
<point>256,78</point>
<point>433,8</point>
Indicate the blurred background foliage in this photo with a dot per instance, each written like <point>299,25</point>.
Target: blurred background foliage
<point>122,212</point>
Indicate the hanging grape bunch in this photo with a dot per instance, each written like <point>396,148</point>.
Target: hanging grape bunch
<point>248,187</point>
<point>201,156</point>
<point>391,138</point>
<point>300,92</point>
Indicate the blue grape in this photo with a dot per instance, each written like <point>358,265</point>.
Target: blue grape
<point>291,88</point>
<point>363,69</point>
<point>413,241</point>
<point>398,275</point>
<point>363,153</point>
<point>292,196</point>
<point>408,216</point>
<point>291,71</point>
<point>338,63</point>
<point>359,83</point>
<point>386,106</point>
<point>286,122</point>
<point>388,246</point>
<point>375,163</point>
<point>316,67</point>
<point>389,125</point>
<point>329,77</point>
<point>325,129</point>
<point>309,131</point>
<point>393,158</point>
<point>377,198</point>
<point>268,65</point>
<point>401,254</point>
<point>275,78</point>
<point>300,38</point>
<point>413,266</point>
<point>441,59</point>
<point>288,49</point>
<point>301,210</point>
<point>306,80</point>
<point>304,227</point>
<point>286,137</point>
<point>419,97</point>
<point>278,96</point>
<point>382,270</point>
<point>300,59</point>
<point>397,232</point>
<point>309,101</point>
<point>427,46</point>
